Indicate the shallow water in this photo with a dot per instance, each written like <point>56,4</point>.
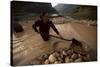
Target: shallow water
<point>28,45</point>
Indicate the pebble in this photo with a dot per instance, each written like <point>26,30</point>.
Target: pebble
<point>60,59</point>
<point>86,58</point>
<point>43,57</point>
<point>46,61</point>
<point>56,62</point>
<point>61,56</point>
<point>74,56</point>
<point>52,58</point>
<point>69,52</point>
<point>67,60</point>
<point>70,60</point>
<point>56,54</point>
<point>78,60</point>
<point>64,53</point>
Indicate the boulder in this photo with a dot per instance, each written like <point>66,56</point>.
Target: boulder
<point>18,27</point>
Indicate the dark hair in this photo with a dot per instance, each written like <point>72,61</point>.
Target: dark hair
<point>42,14</point>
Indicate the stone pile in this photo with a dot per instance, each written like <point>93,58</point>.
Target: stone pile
<point>73,54</point>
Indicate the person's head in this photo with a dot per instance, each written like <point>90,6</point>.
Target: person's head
<point>44,16</point>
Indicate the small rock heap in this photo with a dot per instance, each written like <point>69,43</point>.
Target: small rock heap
<point>75,53</point>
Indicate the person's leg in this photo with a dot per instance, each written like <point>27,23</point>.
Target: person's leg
<point>45,37</point>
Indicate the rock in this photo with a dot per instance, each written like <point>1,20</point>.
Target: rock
<point>69,52</point>
<point>56,62</point>
<point>78,60</point>
<point>43,57</point>
<point>62,56</point>
<point>86,58</point>
<point>79,55</point>
<point>52,58</point>
<point>74,56</point>
<point>64,53</point>
<point>86,47</point>
<point>46,61</point>
<point>70,60</point>
<point>18,27</point>
<point>60,59</point>
<point>56,54</point>
<point>67,60</point>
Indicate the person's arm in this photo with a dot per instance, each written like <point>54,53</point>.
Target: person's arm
<point>35,25</point>
<point>53,27</point>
